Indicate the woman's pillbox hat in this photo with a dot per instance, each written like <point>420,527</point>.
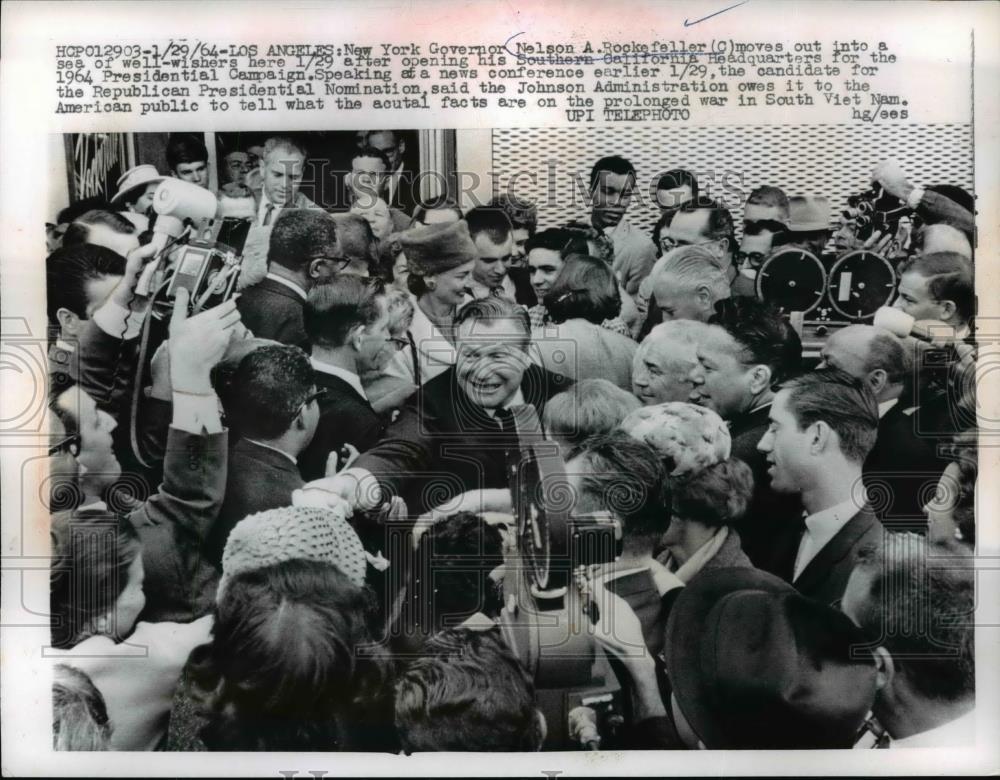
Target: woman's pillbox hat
<point>434,249</point>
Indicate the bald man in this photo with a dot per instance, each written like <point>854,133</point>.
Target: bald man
<point>902,465</point>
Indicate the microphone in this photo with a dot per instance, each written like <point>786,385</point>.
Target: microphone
<point>174,202</point>
<point>901,324</point>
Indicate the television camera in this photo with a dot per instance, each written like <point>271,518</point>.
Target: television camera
<point>850,279</point>
<point>195,248</point>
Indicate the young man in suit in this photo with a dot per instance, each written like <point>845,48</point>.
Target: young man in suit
<point>902,463</point>
<point>739,357</point>
<point>271,402</point>
<point>823,426</point>
<point>303,250</point>
<point>458,435</point>
<point>172,523</point>
<point>348,326</point>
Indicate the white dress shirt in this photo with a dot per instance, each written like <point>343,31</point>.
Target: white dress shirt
<point>885,406</point>
<point>955,733</point>
<point>821,527</point>
<point>342,373</point>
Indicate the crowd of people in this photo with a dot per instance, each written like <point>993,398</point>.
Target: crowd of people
<point>289,521</point>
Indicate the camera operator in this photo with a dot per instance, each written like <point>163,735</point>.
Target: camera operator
<point>172,523</point>
<point>953,206</point>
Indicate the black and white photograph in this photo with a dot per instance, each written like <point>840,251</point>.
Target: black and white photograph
<point>354,421</point>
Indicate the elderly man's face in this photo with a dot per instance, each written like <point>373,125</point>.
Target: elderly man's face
<point>491,360</point>
<point>282,171</point>
<point>660,370</point>
<point>677,302</point>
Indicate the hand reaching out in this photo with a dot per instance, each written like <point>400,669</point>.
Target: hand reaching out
<point>197,343</point>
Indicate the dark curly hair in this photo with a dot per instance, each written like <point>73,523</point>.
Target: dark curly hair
<point>585,287</point>
<point>291,665</point>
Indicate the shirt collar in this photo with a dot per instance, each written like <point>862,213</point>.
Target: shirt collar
<point>825,524</point>
<point>65,346</point>
<point>515,400</point>
<point>289,284</point>
<point>885,406</point>
<point>272,448</point>
<point>341,373</point>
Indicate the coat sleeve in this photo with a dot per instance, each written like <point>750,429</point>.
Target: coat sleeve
<point>172,523</point>
<point>935,207</point>
<point>404,452</point>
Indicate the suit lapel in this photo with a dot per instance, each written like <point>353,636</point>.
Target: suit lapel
<point>835,550</point>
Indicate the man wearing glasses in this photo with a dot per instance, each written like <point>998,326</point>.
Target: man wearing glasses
<point>705,224</point>
<point>347,324</point>
<point>765,226</point>
<point>612,183</point>
<point>303,251</point>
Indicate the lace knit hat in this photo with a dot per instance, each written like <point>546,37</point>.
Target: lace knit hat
<point>688,437</point>
<point>293,533</point>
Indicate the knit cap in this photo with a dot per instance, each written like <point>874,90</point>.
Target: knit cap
<point>689,437</point>
<point>294,533</point>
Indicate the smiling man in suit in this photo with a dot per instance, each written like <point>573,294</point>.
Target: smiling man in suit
<point>823,425</point>
<point>347,322</point>
<point>458,434</point>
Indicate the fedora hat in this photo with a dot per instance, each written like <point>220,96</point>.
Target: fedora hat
<point>755,665</point>
<point>136,177</point>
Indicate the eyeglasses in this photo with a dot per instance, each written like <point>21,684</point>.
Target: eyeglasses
<point>753,259</point>
<point>668,242</point>
<point>66,445</point>
<point>335,260</point>
<point>313,397</point>
<point>758,226</point>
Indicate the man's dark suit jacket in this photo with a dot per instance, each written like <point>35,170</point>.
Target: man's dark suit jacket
<point>258,479</point>
<point>273,311</point>
<point>442,445</point>
<point>825,576</point>
<point>345,418</point>
<point>901,471</point>
<point>772,526</point>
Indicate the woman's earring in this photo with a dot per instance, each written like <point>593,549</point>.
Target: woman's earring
<point>431,284</point>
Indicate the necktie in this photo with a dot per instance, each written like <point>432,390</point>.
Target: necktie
<point>505,419</point>
<point>268,211</point>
